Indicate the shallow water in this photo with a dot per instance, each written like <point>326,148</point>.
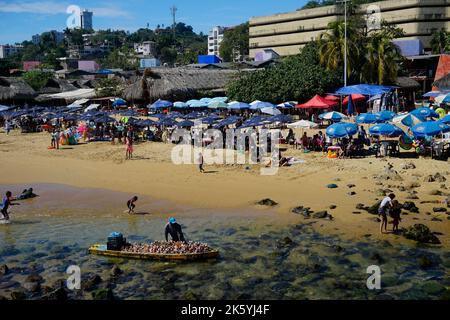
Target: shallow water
<point>54,231</point>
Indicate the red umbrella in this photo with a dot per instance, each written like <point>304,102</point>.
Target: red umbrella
<point>317,102</point>
<point>355,97</point>
<point>332,98</point>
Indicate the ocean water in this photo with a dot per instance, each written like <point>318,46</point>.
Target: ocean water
<point>257,261</point>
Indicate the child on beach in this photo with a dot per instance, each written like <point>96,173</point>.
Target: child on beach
<point>6,202</point>
<point>395,212</point>
<point>131,205</point>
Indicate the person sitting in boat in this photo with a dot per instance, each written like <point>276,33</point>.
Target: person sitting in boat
<point>27,194</point>
<point>174,229</point>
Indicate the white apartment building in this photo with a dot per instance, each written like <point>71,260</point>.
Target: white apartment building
<point>7,50</point>
<point>215,38</point>
<point>146,48</point>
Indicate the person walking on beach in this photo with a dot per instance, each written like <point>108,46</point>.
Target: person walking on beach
<point>57,137</point>
<point>174,229</point>
<point>6,202</point>
<point>131,205</point>
<point>385,205</point>
<point>53,141</point>
<point>200,162</point>
<point>7,127</point>
<point>129,144</point>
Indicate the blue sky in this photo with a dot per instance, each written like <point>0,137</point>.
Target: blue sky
<point>20,19</point>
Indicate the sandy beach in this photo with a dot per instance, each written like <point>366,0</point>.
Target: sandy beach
<point>26,160</point>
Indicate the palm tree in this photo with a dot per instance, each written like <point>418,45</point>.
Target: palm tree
<point>440,42</point>
<point>332,44</point>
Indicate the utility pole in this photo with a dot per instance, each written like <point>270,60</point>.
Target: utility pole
<point>173,11</point>
<point>345,40</point>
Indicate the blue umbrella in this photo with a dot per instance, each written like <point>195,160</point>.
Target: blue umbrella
<point>158,115</point>
<point>180,104</point>
<point>433,94</point>
<point>386,129</point>
<point>386,115</point>
<point>368,118</point>
<point>235,105</point>
<point>146,123</point>
<point>350,107</point>
<point>425,112</point>
<point>228,121</point>
<point>185,123</point>
<point>168,122</point>
<point>445,119</point>
<point>283,118</point>
<point>205,100</point>
<point>430,128</point>
<point>223,99</point>
<point>161,104</point>
<point>119,102</point>
<point>342,130</point>
<point>193,115</point>
<point>198,104</point>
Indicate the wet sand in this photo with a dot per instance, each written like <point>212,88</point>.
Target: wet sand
<point>26,161</point>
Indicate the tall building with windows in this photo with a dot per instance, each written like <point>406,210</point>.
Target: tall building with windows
<point>215,38</point>
<point>287,33</point>
<point>7,50</point>
<point>86,20</point>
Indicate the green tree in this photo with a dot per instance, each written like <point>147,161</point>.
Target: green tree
<point>37,79</point>
<point>297,77</point>
<point>108,87</point>
<point>440,42</point>
<point>123,58</point>
<point>235,39</point>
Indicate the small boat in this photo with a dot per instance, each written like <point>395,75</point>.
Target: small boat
<point>101,249</point>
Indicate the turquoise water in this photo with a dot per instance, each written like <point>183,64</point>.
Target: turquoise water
<point>52,232</point>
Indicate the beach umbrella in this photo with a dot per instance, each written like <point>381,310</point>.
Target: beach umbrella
<point>317,102</point>
<point>342,130</point>
<point>168,122</point>
<point>430,128</point>
<point>302,124</point>
<point>161,104</point>
<point>193,115</point>
<point>270,110</point>
<point>119,102</point>
<point>386,115</point>
<point>104,119</point>
<point>445,119</point>
<point>147,123</point>
<point>350,107</point>
<point>216,104</point>
<point>332,98</point>
<point>255,105</point>
<point>206,100</point>
<point>285,105</point>
<point>369,118</point>
<point>425,112</point>
<point>228,121</point>
<point>432,94</point>
<point>198,104</point>
<point>443,98</point>
<point>386,129</point>
<point>158,115</point>
<point>236,105</point>
<point>408,119</point>
<point>180,104</point>
<point>185,123</point>
<point>189,102</point>
<point>333,116</point>
<point>222,99</point>
<point>175,115</point>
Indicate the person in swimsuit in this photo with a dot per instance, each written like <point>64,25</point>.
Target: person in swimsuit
<point>131,205</point>
<point>385,205</point>
<point>6,202</point>
<point>174,229</point>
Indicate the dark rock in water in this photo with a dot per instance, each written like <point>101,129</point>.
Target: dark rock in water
<point>189,295</point>
<point>321,215</point>
<point>374,208</point>
<point>34,278</point>
<point>9,284</point>
<point>337,248</point>
<point>421,233</point>
<point>360,206</point>
<point>59,294</point>
<point>332,186</point>
<point>439,209</point>
<point>377,257</point>
<point>429,178</point>
<point>286,240</point>
<point>433,287</point>
<point>306,212</point>
<point>102,294</point>
<point>410,206</point>
<point>425,262</point>
<point>8,251</point>
<point>332,207</point>
<point>18,295</point>
<point>4,270</point>
<point>92,282</point>
<point>267,202</point>
<point>32,286</point>
<point>116,271</point>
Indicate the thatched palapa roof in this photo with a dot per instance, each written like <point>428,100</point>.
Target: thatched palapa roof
<point>15,89</point>
<point>56,86</point>
<point>177,83</point>
<point>406,83</point>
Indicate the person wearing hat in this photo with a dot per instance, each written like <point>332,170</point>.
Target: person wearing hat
<point>174,229</point>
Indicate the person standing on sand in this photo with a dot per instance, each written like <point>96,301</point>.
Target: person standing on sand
<point>200,162</point>
<point>385,205</point>
<point>129,144</point>
<point>7,127</point>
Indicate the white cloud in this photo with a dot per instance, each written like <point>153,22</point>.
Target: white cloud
<point>54,7</point>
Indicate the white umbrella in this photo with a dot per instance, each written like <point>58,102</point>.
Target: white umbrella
<point>407,119</point>
<point>270,110</point>
<point>302,124</point>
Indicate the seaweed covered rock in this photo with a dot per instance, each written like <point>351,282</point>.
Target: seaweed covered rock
<point>373,209</point>
<point>306,212</point>
<point>421,233</point>
<point>322,215</point>
<point>267,202</point>
<point>102,294</point>
<point>410,206</point>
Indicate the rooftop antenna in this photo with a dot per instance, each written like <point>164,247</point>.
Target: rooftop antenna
<point>173,11</point>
